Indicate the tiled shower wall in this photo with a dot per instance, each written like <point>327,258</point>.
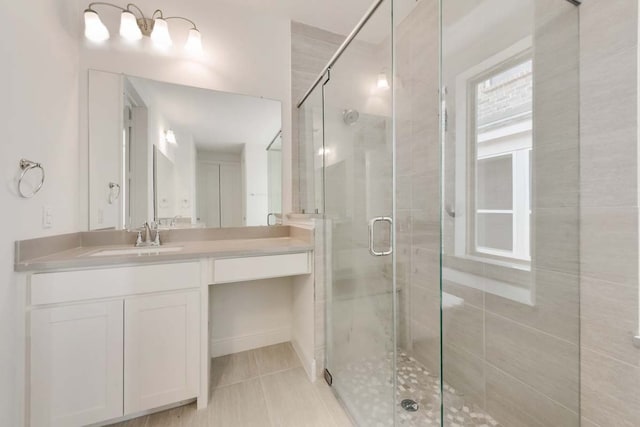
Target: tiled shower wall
<point>418,189</point>
<point>610,364</point>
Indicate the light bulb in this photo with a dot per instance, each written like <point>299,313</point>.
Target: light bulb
<point>383,83</point>
<point>194,41</point>
<point>160,34</point>
<point>94,29</point>
<point>170,137</point>
<point>129,26</point>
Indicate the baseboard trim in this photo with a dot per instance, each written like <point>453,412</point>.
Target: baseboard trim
<point>308,362</point>
<point>224,346</point>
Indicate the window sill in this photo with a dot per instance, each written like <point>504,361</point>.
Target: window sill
<point>517,265</point>
<point>512,281</point>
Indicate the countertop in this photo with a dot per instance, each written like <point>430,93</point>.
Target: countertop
<point>79,257</point>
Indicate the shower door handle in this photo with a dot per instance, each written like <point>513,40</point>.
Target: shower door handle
<point>372,224</point>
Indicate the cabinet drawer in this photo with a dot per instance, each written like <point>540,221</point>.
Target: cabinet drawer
<point>260,267</point>
<point>68,286</point>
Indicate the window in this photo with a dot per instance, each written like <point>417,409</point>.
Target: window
<point>501,105</point>
<point>494,101</point>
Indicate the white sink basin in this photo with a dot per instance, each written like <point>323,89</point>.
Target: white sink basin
<point>151,250</point>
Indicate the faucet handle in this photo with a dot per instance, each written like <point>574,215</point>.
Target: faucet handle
<point>139,239</point>
<point>156,241</point>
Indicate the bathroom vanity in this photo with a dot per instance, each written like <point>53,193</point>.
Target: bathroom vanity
<point>114,331</point>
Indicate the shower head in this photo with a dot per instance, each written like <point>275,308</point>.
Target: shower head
<point>350,117</point>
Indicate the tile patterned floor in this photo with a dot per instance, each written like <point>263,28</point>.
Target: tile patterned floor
<point>368,387</point>
<point>266,387</point>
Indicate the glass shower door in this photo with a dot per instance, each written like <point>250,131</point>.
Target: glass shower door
<point>358,207</point>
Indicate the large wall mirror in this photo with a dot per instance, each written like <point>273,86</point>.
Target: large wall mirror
<point>180,156</point>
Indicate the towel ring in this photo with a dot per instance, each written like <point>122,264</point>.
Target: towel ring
<point>114,192</point>
<point>26,166</point>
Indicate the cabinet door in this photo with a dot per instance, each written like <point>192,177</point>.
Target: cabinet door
<point>161,350</point>
<point>76,364</point>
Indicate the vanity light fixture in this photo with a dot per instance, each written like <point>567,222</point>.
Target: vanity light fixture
<point>134,24</point>
<point>94,29</point>
<point>170,137</point>
<point>129,26</point>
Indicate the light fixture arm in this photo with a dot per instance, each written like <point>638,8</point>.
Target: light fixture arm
<point>184,19</point>
<point>102,3</point>
<point>131,5</point>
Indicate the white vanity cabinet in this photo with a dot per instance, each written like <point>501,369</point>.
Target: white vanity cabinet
<point>106,343</point>
<point>76,364</point>
<point>161,348</point>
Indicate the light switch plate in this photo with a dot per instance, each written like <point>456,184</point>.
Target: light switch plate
<point>47,216</point>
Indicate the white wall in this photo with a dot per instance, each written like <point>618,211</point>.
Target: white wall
<point>244,53</point>
<point>249,315</point>
<point>39,121</point>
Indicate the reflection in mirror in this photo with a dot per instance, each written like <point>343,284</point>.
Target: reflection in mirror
<point>184,156</point>
<point>274,173</point>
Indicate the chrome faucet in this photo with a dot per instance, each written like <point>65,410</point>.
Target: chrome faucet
<point>147,236</point>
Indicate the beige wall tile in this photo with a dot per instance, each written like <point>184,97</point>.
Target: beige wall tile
<point>609,244</point>
<point>426,346</point>
<point>556,309</point>
<point>425,269</point>
<point>425,306</point>
<point>515,404</point>
<point>609,392</point>
<point>556,38</point>
<point>470,296</point>
<point>465,373</point>
<point>587,423</point>
<point>555,239</point>
<point>463,328</point>
<point>609,314</point>
<point>607,27</point>
<point>545,363</point>
<point>609,113</point>
<point>556,180</point>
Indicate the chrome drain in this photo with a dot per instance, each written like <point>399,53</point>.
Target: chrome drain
<point>409,405</point>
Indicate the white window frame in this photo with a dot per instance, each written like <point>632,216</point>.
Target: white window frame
<point>465,243</point>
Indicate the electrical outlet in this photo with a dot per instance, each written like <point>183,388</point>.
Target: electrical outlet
<point>47,217</point>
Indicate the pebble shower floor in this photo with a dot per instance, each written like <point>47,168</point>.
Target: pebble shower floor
<point>365,384</point>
